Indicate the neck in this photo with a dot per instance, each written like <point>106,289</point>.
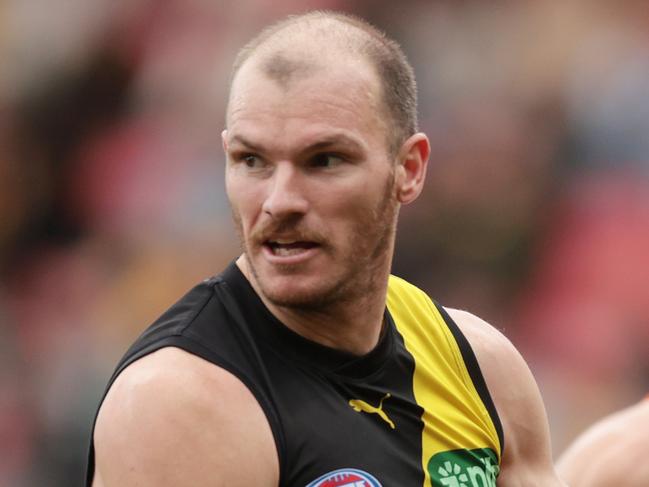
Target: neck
<point>353,326</point>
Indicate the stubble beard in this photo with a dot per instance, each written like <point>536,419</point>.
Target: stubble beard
<point>368,249</point>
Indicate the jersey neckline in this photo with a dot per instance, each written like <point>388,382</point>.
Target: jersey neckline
<point>288,343</point>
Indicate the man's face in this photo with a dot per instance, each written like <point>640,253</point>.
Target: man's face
<point>311,184</point>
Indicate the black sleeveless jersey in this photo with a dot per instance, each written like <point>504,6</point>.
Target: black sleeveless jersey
<point>413,412</point>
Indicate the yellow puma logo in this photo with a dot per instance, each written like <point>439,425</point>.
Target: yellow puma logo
<point>360,405</point>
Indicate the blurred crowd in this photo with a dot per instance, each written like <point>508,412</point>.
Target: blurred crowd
<point>535,215</point>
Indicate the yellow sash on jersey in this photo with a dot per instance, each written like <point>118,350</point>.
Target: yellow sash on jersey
<point>460,443</point>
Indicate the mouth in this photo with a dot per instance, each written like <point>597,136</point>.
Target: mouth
<point>288,248</point>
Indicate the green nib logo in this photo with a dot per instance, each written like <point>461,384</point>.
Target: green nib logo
<point>451,474</point>
<point>464,468</point>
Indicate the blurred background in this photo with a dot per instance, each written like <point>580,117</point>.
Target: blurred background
<point>535,215</point>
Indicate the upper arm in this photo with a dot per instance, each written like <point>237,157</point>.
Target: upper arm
<point>581,464</point>
<point>527,457</point>
<point>611,452</point>
<point>173,419</point>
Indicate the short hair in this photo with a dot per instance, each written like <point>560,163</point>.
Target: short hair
<point>395,74</point>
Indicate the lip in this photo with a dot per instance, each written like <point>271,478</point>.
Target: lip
<point>298,258</point>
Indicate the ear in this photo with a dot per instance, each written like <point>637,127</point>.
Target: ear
<point>412,162</point>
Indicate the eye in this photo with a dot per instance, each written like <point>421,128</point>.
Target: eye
<point>326,160</point>
<point>251,161</point>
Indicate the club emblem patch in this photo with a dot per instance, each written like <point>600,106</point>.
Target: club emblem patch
<point>346,477</point>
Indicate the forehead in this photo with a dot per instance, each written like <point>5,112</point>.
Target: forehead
<point>324,97</point>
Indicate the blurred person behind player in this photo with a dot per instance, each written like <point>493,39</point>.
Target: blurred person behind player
<point>611,452</point>
<point>305,362</point>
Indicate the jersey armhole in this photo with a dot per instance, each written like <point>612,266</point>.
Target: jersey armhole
<point>189,345</point>
<point>475,373</point>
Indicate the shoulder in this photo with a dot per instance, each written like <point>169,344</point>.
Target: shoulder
<point>503,367</point>
<point>485,339</point>
<point>513,389</point>
<point>510,382</point>
<point>611,451</point>
<point>170,415</point>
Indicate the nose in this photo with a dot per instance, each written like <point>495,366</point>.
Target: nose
<point>286,192</point>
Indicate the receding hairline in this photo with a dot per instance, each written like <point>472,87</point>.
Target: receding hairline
<point>280,38</point>
<point>300,45</point>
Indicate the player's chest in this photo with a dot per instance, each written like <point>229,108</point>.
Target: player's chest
<point>344,433</point>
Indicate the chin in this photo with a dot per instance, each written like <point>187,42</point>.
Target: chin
<point>294,292</point>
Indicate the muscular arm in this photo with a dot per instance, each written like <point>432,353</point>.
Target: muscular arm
<point>527,458</point>
<point>173,419</point>
<point>611,452</point>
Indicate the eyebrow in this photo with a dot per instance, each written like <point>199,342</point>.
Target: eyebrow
<point>243,141</point>
<point>325,143</point>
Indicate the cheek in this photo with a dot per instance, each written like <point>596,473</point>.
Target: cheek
<point>364,198</point>
<point>243,200</point>
<point>369,212</point>
<point>350,212</point>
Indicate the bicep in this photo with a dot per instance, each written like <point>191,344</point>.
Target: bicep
<point>193,424</point>
<point>610,452</point>
<point>580,464</point>
<point>527,456</point>
<point>527,459</point>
